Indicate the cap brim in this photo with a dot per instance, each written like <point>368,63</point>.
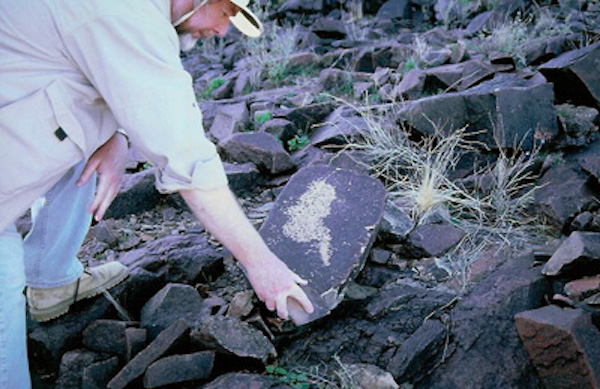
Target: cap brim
<point>247,22</point>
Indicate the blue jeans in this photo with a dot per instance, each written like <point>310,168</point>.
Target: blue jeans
<point>45,258</point>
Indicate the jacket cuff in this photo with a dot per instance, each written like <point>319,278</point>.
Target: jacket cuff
<point>206,175</point>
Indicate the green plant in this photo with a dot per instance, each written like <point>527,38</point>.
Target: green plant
<point>212,86</point>
<point>291,378</point>
<point>262,117</point>
<point>298,142</point>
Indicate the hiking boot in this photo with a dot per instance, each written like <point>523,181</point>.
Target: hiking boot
<point>49,303</point>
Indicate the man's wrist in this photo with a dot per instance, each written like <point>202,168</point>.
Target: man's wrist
<point>124,134</point>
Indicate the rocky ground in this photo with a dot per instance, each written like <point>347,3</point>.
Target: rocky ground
<point>430,166</point>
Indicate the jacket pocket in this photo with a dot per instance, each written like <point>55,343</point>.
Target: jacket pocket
<point>34,147</point>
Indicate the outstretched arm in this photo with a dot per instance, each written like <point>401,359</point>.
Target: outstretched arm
<point>271,279</point>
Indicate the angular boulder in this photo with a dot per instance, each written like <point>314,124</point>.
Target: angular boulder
<point>434,240</point>
<point>137,194</point>
<point>173,302</point>
<point>563,345</point>
<point>575,75</point>
<point>260,148</point>
<point>242,177</point>
<point>507,110</point>
<point>562,194</point>
<point>578,254</point>
<point>107,336</point>
<point>322,226</point>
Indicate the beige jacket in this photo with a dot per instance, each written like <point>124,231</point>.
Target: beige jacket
<point>88,68</point>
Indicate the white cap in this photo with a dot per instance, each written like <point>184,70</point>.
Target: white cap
<point>245,20</point>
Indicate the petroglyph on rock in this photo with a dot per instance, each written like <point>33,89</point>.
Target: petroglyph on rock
<point>306,218</point>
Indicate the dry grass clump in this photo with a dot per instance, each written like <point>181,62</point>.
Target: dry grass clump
<point>267,56</point>
<point>513,36</point>
<point>418,174</point>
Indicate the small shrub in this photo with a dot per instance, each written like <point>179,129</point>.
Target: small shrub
<point>262,117</point>
<point>268,55</point>
<point>291,378</point>
<point>298,142</point>
<point>212,86</point>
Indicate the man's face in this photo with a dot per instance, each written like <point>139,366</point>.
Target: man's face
<point>210,20</point>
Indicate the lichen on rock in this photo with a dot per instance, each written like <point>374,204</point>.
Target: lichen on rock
<point>306,218</point>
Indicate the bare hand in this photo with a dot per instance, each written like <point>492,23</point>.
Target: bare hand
<point>109,162</point>
<point>274,283</point>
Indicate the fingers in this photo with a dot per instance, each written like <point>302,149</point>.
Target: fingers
<point>106,191</point>
<point>300,280</point>
<point>90,167</point>
<point>281,303</point>
<point>270,305</point>
<point>299,295</point>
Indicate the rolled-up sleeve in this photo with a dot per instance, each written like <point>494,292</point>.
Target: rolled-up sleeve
<point>134,64</point>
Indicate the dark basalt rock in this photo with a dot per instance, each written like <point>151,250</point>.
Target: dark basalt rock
<point>169,339</point>
<point>233,336</point>
<point>578,254</point>
<point>575,75</point>
<point>322,227</point>
<point>509,111</point>
<point>177,369</point>
<point>260,148</point>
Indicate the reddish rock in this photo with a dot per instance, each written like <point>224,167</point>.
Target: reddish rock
<point>563,345</point>
<point>583,288</point>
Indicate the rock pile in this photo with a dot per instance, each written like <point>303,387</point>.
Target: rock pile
<point>389,307</point>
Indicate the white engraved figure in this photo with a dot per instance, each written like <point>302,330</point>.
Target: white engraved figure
<point>306,218</point>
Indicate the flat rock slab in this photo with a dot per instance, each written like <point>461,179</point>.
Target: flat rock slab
<point>165,341</point>
<point>583,288</point>
<point>322,226</point>
<point>176,369</point>
<point>233,336</point>
<point>575,75</point>
<point>563,345</point>
<point>577,254</point>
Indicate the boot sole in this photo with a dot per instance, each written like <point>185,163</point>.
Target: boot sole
<point>55,311</point>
